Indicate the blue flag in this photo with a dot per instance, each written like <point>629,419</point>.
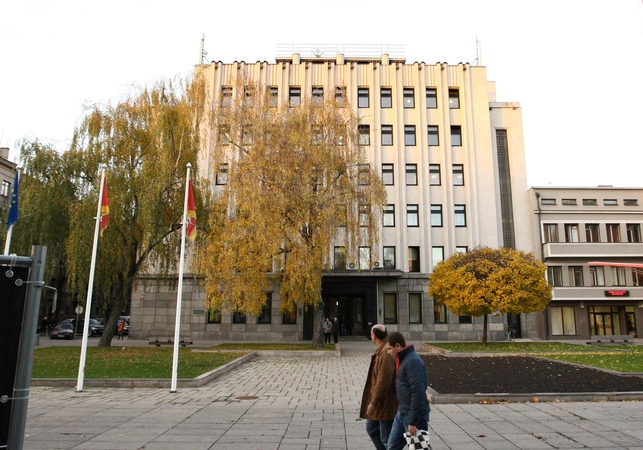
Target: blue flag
<point>13,209</point>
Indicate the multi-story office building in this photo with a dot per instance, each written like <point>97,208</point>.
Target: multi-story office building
<point>578,226</point>
<point>452,160</point>
<point>7,177</point>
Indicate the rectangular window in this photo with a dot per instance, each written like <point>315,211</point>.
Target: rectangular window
<point>362,97</point>
<point>289,317</point>
<point>412,219</point>
<point>389,215</point>
<point>214,315</point>
<point>598,275</point>
<point>434,174</point>
<point>339,258</point>
<point>610,202</point>
<point>6,188</point>
<point>630,202</point>
<point>633,232</point>
<point>364,214</point>
<point>266,310</point>
<point>456,136</point>
<point>454,99</point>
<point>433,135</point>
<point>436,215</point>
<point>387,134</point>
<point>246,135</point>
<point>409,97</point>
<point>224,134</point>
<point>551,232</point>
<point>589,202</point>
<point>439,312</point>
<point>555,275</point>
<point>389,258</point>
<point>364,258</point>
<point>618,276</point>
<point>465,319</point>
<point>388,177</point>
<point>222,174</point>
<point>294,97</point>
<point>411,174</point>
<point>461,249</point>
<point>364,134</point>
<point>458,175</point>
<point>415,307</point>
<point>613,232</point>
<point>460,215</point>
<point>390,308</point>
<point>562,320</point>
<point>249,94</point>
<point>570,202</point>
<point>238,317</point>
<point>340,96</point>
<point>576,276</point>
<point>414,259</point>
<point>437,255</point>
<point>431,98</point>
<point>409,135</point>
<point>547,201</point>
<point>571,232</point>
<point>318,95</point>
<point>386,98</point>
<point>591,232</point>
<point>226,96</point>
<point>273,96</point>
<point>364,174</point>
<point>637,277</point>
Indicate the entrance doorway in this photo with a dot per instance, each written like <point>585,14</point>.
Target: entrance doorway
<point>612,320</point>
<point>349,311</point>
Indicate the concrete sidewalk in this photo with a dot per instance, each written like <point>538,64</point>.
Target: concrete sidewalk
<point>305,403</point>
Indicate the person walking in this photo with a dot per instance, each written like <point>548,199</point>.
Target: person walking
<point>335,330</point>
<point>43,326</point>
<point>121,329</point>
<point>328,328</point>
<point>413,411</point>
<point>379,400</point>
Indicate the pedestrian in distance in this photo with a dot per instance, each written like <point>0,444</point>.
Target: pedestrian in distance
<point>335,330</point>
<point>411,385</point>
<point>379,399</point>
<point>121,329</point>
<point>43,326</point>
<point>328,328</point>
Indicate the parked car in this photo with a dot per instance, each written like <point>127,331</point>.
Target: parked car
<point>63,330</point>
<point>95,327</point>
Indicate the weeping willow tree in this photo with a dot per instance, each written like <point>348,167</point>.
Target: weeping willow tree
<point>145,142</point>
<point>297,184</point>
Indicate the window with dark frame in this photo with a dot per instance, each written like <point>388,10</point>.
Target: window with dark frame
<point>318,95</point>
<point>597,274</point>
<point>437,255</point>
<point>409,135</point>
<point>249,94</point>
<point>433,135</point>
<point>550,232</point>
<point>386,98</point>
<point>436,215</point>
<point>387,135</point>
<point>273,96</point>
<point>439,312</point>
<point>362,97</point>
<point>390,308</point>
<point>458,175</point>
<point>412,217</point>
<point>409,97</point>
<point>289,317</point>
<point>576,276</point>
<point>590,202</point>
<point>238,317</point>
<point>226,96</point>
<point>214,315</point>
<point>339,258</point>
<point>434,174</point>
<point>633,232</point>
<point>415,307</point>
<point>364,258</point>
<point>613,232</point>
<point>294,97</point>
<point>388,176</point>
<point>555,275</point>
<point>364,214</point>
<point>266,310</point>
<point>389,215</point>
<point>454,99</point>
<point>414,259</point>
<point>411,174</point>
<point>431,98</point>
<point>388,255</point>
<point>591,232</point>
<point>460,215</point>
<point>571,232</point>
<point>364,134</point>
<point>340,96</point>
<point>6,188</point>
<point>222,174</point>
<point>456,136</point>
<point>364,174</point>
<point>562,320</point>
<point>464,319</point>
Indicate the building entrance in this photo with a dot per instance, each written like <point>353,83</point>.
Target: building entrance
<point>349,311</point>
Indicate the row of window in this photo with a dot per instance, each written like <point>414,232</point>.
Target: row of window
<point>413,216</point>
<point>590,202</point>
<point>388,257</point>
<point>363,96</point>
<point>612,232</point>
<point>386,137</point>
<point>603,320</point>
<point>576,277</point>
<point>287,318</point>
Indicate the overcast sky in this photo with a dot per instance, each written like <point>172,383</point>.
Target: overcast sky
<point>575,66</point>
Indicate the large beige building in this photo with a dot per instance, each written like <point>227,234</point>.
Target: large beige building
<point>452,159</point>
<point>574,227</point>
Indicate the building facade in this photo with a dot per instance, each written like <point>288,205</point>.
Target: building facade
<point>452,160</point>
<point>580,232</point>
<point>7,177</point>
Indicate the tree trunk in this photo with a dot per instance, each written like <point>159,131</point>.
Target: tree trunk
<point>318,325</point>
<point>484,329</point>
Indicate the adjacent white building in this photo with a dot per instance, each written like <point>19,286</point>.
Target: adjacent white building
<point>452,159</point>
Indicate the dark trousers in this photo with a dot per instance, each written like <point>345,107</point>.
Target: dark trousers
<point>379,431</point>
<point>326,338</point>
<point>334,337</point>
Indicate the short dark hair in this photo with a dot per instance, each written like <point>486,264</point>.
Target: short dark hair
<point>396,338</point>
<point>379,334</point>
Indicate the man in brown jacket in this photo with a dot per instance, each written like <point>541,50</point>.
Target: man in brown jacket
<point>379,400</point>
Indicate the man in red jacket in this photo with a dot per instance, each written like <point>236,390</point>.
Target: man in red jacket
<point>379,401</point>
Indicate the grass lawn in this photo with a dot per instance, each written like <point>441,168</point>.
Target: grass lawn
<point>622,358</point>
<point>125,362</point>
<point>270,346</point>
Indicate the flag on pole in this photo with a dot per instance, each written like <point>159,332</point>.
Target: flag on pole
<point>191,231</point>
<point>13,209</point>
<point>104,208</point>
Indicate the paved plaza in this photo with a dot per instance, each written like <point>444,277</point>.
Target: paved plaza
<point>305,403</point>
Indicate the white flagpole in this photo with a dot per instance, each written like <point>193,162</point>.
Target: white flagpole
<point>90,288</point>
<point>177,326</point>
